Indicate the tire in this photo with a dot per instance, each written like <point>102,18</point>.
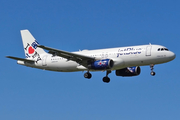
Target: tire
<point>153,73</point>
<point>106,79</point>
<point>87,75</point>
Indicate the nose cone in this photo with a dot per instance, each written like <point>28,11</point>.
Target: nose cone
<point>172,56</point>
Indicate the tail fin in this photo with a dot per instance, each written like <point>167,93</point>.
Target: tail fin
<point>30,45</point>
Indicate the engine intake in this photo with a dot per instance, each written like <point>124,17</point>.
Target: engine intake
<point>129,71</point>
<point>102,64</point>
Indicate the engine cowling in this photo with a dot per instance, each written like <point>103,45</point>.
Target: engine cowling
<point>102,64</point>
<point>129,71</point>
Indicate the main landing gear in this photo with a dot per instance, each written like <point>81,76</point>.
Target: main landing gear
<point>106,79</point>
<point>87,75</point>
<point>152,68</point>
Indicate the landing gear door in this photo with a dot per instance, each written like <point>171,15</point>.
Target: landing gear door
<point>148,50</point>
<point>44,60</point>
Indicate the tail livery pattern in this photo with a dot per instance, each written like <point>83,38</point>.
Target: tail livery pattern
<point>31,50</point>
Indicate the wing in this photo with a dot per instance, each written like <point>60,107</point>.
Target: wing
<point>81,59</point>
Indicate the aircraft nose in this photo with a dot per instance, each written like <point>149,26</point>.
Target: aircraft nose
<point>172,56</point>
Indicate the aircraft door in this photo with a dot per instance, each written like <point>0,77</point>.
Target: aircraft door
<point>148,50</point>
<point>44,60</point>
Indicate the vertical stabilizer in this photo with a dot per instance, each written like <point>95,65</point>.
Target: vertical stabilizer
<point>30,46</point>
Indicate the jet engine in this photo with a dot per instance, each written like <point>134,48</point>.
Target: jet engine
<point>129,71</point>
<point>101,64</point>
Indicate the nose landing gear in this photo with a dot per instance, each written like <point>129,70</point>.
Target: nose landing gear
<point>152,68</point>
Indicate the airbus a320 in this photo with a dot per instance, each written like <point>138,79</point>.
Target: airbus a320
<point>124,60</point>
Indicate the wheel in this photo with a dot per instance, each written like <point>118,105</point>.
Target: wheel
<point>153,73</point>
<point>106,79</point>
<point>87,75</point>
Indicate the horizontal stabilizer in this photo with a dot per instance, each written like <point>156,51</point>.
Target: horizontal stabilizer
<point>21,59</point>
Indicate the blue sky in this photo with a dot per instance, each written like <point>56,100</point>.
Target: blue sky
<point>27,93</point>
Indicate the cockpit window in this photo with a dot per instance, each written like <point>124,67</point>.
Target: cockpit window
<point>166,49</point>
<point>163,49</point>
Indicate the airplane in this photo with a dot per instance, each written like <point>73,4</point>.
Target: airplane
<point>124,60</point>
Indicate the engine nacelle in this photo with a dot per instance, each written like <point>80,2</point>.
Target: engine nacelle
<point>102,64</point>
<point>129,71</point>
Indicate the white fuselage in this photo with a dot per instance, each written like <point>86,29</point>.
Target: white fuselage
<point>122,57</point>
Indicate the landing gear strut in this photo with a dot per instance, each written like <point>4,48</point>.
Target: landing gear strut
<point>152,68</point>
<point>87,75</point>
<point>106,79</point>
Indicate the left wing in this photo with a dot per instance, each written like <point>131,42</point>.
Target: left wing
<point>81,59</point>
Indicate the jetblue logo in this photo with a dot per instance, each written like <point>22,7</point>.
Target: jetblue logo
<point>129,51</point>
